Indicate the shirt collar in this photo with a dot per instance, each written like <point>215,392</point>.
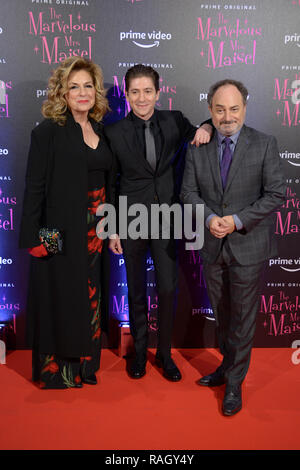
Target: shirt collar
<point>140,122</point>
<point>233,137</point>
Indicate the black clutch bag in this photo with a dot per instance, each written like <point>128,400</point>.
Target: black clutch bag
<point>52,240</point>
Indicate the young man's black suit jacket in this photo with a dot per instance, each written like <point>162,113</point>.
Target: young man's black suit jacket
<point>138,181</point>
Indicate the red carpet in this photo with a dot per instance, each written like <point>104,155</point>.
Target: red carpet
<point>152,413</point>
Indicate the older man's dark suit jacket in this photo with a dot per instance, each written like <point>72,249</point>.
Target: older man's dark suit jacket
<point>255,188</point>
<point>233,265</point>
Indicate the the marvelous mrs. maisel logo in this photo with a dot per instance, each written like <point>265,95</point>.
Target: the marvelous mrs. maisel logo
<point>287,95</point>
<point>60,35</point>
<point>281,313</point>
<point>227,41</point>
<point>288,217</point>
<point>7,208</point>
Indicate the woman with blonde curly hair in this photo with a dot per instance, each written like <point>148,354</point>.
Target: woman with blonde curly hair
<point>67,178</point>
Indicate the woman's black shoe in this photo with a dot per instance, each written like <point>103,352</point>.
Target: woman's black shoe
<point>91,380</point>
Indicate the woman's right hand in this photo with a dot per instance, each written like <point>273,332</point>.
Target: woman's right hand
<point>114,244</point>
<point>38,251</point>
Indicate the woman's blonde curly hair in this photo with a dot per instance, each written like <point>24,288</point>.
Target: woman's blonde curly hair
<point>55,107</point>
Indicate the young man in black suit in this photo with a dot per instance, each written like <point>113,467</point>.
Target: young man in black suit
<point>149,177</point>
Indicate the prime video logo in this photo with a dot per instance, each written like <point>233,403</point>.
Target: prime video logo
<point>149,263</point>
<point>290,155</point>
<point>139,222</point>
<point>152,39</point>
<point>292,38</point>
<point>4,261</point>
<point>289,265</point>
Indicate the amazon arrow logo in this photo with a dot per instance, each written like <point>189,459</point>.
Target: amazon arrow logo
<point>290,270</point>
<point>156,43</point>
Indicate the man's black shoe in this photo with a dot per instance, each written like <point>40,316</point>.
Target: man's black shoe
<point>137,370</point>
<point>170,370</point>
<point>212,380</point>
<point>232,402</point>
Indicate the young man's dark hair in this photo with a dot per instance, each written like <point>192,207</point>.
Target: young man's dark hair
<point>141,70</point>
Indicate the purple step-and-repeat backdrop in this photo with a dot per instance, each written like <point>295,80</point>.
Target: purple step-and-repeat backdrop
<point>192,44</point>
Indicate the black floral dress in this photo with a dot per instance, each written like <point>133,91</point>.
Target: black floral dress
<point>50,370</point>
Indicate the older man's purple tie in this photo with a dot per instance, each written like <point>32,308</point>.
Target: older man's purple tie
<point>226,160</point>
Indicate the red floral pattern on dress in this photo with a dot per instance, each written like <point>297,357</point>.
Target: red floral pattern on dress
<point>92,290</point>
<point>94,243</point>
<point>96,198</point>
<point>50,365</point>
<point>57,372</point>
<point>97,334</point>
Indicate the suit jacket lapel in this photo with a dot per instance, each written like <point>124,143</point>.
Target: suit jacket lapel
<point>166,152</point>
<point>213,157</point>
<point>130,138</point>
<point>238,156</point>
